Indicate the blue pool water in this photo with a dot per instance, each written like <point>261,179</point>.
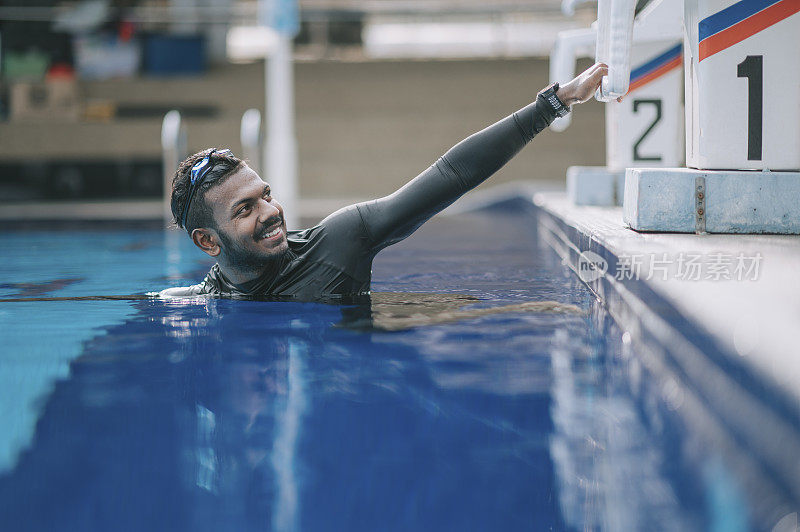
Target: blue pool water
<point>195,415</point>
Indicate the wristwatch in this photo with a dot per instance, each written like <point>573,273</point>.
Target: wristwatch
<point>549,94</point>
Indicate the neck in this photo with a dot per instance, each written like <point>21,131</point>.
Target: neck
<point>240,274</point>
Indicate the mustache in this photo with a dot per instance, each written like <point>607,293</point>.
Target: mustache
<point>269,223</point>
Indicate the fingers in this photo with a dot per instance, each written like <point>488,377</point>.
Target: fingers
<point>587,82</point>
<point>594,69</point>
<point>601,67</point>
<point>598,74</point>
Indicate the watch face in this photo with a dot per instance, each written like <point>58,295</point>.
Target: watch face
<point>555,103</point>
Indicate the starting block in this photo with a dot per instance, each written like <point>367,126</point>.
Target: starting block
<point>742,80</point>
<point>646,128</point>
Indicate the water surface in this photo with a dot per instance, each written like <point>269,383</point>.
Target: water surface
<point>495,395</point>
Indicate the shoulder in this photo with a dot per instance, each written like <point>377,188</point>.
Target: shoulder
<point>344,229</point>
<point>340,240</point>
<point>347,222</point>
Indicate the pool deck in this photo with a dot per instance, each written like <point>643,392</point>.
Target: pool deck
<point>743,291</point>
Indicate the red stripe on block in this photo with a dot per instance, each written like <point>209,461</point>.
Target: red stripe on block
<point>657,73</point>
<point>748,27</point>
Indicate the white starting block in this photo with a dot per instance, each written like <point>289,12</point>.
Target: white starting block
<point>646,128</point>
<point>743,126</point>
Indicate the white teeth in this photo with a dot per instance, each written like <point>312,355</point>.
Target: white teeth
<point>272,233</point>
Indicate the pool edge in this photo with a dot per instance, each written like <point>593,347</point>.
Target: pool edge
<point>722,393</point>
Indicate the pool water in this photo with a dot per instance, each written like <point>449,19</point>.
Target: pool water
<point>422,411</point>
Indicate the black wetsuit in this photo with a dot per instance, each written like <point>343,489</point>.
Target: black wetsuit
<point>334,257</point>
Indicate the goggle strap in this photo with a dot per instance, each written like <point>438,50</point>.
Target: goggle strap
<point>198,173</point>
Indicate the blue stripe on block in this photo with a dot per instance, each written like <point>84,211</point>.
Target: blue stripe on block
<point>732,15</point>
<point>656,62</point>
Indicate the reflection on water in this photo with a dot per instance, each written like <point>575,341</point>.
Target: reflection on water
<point>31,289</point>
<point>396,311</point>
<point>285,448</point>
<point>611,469</point>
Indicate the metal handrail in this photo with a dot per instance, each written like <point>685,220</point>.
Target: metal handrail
<point>173,149</point>
<point>252,139</point>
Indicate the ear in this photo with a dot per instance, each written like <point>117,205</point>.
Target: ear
<point>206,240</point>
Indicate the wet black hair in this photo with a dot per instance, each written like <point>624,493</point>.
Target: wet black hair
<point>200,213</point>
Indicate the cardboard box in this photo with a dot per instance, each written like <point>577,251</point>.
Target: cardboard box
<point>98,110</point>
<point>47,101</point>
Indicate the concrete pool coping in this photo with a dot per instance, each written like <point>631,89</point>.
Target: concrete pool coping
<point>752,315</point>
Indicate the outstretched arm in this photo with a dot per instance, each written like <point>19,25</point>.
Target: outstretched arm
<point>466,165</point>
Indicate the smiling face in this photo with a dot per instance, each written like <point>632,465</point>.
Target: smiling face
<point>249,222</point>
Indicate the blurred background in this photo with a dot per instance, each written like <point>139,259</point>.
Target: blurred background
<point>381,88</point>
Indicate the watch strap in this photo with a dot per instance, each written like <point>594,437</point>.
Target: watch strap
<point>549,95</point>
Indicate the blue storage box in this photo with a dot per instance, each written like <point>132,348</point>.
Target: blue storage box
<point>169,55</point>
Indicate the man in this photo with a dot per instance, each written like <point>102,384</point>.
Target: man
<point>230,213</point>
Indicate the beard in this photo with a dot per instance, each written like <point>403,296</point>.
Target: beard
<point>244,259</point>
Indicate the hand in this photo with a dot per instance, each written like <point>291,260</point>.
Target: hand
<point>583,86</point>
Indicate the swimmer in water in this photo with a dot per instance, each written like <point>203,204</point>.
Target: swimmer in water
<point>231,214</point>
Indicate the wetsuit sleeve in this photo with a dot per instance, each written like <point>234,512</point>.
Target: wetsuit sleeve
<point>466,165</point>
<point>209,285</point>
<point>183,291</point>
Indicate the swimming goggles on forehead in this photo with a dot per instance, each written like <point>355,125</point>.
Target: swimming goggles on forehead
<point>198,174</point>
